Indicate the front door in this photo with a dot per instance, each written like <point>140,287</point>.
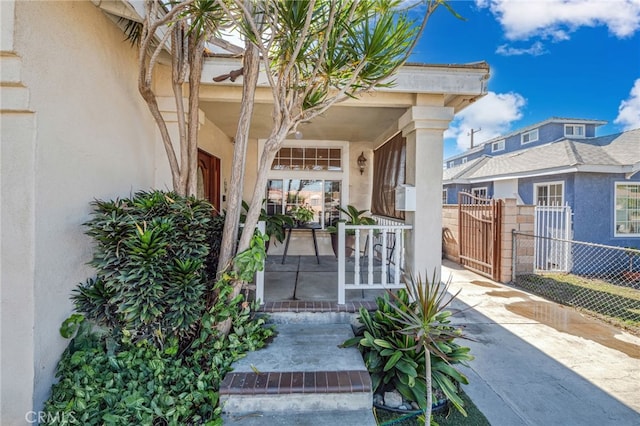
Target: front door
<point>209,178</point>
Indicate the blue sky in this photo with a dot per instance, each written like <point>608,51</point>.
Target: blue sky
<point>548,58</point>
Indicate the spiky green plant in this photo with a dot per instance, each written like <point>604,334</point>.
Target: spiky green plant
<point>424,319</point>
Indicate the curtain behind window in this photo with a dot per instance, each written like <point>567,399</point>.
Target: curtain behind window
<point>388,172</point>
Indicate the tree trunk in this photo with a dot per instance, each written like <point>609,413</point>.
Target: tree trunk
<point>232,219</point>
<point>196,53</point>
<point>251,65</point>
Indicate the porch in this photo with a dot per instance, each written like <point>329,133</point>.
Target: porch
<point>302,284</point>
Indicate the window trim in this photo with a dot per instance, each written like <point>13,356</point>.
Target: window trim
<point>615,231</point>
<point>464,160</point>
<point>539,184</point>
<point>530,132</point>
<point>480,188</point>
<point>343,175</point>
<point>500,143</point>
<point>582,126</point>
<point>445,196</point>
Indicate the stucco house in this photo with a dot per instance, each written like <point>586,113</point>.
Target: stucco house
<point>74,128</point>
<point>556,162</point>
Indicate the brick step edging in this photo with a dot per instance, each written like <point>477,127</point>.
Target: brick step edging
<point>309,382</point>
<point>316,306</point>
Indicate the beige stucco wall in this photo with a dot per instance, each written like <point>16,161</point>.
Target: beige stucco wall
<point>92,137</point>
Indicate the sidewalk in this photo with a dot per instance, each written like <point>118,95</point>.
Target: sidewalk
<point>539,363</point>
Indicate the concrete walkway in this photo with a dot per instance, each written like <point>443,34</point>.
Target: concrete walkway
<point>539,363</point>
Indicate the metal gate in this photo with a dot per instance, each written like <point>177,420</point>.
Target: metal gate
<point>479,226</point>
<point>552,228</point>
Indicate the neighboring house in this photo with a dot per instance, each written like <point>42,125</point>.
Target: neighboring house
<point>74,128</point>
<point>556,162</point>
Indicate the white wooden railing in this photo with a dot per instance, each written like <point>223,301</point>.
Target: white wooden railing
<point>378,258</point>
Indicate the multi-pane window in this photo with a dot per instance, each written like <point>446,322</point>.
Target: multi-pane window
<point>480,192</point>
<point>574,130</point>
<point>549,194</point>
<point>323,196</point>
<point>530,136</point>
<point>627,209</point>
<point>444,196</point>
<point>497,146</point>
<point>464,160</point>
<point>308,158</point>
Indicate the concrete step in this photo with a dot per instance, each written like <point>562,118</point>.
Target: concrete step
<point>325,418</point>
<point>314,312</point>
<point>303,370</point>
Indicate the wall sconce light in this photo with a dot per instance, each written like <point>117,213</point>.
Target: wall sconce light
<point>362,162</point>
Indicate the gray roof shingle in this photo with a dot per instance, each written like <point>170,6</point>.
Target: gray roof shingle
<point>621,149</point>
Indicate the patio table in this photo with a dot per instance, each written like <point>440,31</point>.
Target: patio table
<point>306,227</point>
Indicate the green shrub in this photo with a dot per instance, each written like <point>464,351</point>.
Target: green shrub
<point>102,382</point>
<point>147,350</point>
<point>151,257</point>
<point>396,360</point>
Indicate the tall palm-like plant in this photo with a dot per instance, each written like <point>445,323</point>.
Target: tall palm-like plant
<point>421,317</point>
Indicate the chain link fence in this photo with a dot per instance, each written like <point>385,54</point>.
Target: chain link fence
<point>600,280</point>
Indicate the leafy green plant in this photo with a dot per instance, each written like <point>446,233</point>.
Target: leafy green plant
<point>274,223</point>
<point>150,258</point>
<point>302,213</point>
<point>396,338</point>
<point>104,382</point>
<point>111,373</point>
<point>354,217</point>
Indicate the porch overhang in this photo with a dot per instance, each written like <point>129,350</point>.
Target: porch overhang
<point>365,119</point>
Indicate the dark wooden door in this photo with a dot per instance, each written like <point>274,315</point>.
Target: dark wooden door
<point>209,178</point>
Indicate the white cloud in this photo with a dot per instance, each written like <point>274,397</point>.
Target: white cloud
<point>629,109</point>
<point>494,114</point>
<point>536,49</point>
<point>557,19</point>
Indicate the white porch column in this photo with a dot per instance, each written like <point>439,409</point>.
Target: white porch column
<point>423,127</point>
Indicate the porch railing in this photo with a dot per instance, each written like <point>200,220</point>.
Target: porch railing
<point>378,257</point>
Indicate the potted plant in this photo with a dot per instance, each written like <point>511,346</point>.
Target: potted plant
<point>302,214</point>
<point>355,217</point>
<point>408,345</point>
<point>274,224</point>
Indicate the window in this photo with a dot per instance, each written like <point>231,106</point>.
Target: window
<point>308,158</point>
<point>323,196</point>
<point>450,164</point>
<point>627,209</point>
<point>464,160</point>
<point>444,196</point>
<point>574,130</point>
<point>480,192</point>
<point>530,136</point>
<point>549,194</point>
<point>497,146</point>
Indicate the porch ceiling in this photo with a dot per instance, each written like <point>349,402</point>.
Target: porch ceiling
<point>341,122</point>
<point>372,117</point>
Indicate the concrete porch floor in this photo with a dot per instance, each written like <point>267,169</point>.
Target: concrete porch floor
<point>302,278</point>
